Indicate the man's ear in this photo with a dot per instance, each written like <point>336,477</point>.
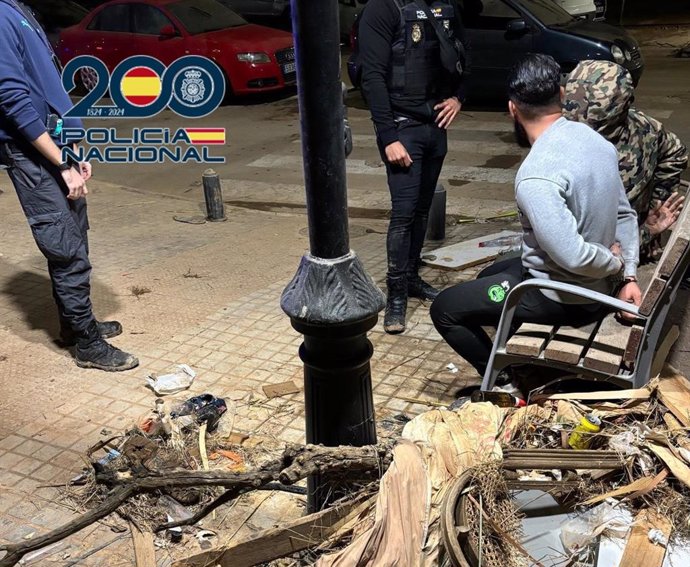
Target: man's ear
<point>512,109</point>
<point>562,93</point>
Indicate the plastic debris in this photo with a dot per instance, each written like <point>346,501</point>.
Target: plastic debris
<point>205,408</point>
<point>609,518</point>
<point>657,537</point>
<point>623,443</point>
<point>454,369</point>
<point>205,537</point>
<point>172,383</point>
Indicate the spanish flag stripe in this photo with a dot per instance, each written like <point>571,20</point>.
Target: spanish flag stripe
<point>141,72</point>
<point>205,130</point>
<point>206,135</point>
<point>141,86</point>
<point>206,142</point>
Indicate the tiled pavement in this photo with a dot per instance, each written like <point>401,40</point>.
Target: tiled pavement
<point>214,304</point>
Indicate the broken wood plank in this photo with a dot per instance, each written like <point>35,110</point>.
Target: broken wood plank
<point>465,254</point>
<point>529,340</point>
<point>606,352</point>
<point>568,344</point>
<point>674,392</point>
<point>278,542</point>
<point>640,550</point>
<point>645,484</point>
<point>144,551</point>
<point>679,469</point>
<point>674,426</point>
<point>279,390</point>
<point>636,394</point>
<point>663,350</point>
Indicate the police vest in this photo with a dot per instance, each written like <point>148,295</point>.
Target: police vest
<point>416,69</point>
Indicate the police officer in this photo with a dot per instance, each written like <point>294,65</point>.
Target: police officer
<point>51,191</point>
<point>651,158</point>
<point>413,99</point>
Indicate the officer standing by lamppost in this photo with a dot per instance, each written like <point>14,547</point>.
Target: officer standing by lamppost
<point>51,191</point>
<point>414,77</point>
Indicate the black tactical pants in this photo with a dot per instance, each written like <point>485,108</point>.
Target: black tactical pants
<point>412,190</point>
<point>460,312</point>
<point>59,227</point>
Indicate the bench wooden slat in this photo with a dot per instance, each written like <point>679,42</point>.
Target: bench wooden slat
<point>529,340</point>
<point>569,343</point>
<point>652,295</point>
<point>670,260</point>
<point>634,344</point>
<point>607,350</point>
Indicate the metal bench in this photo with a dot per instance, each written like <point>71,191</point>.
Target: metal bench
<point>607,350</point>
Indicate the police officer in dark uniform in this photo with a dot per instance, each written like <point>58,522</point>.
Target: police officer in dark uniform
<point>51,192</point>
<point>413,99</point>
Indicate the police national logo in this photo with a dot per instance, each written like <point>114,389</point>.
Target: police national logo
<point>141,86</point>
<point>416,33</point>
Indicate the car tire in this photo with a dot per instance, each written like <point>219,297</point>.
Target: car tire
<point>88,78</point>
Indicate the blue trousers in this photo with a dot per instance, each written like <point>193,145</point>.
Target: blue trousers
<point>59,227</point>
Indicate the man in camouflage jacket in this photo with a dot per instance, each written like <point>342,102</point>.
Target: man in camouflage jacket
<point>651,159</point>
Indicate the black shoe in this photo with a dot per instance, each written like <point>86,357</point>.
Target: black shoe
<point>106,329</point>
<point>93,352</point>
<point>417,287</point>
<point>396,305</point>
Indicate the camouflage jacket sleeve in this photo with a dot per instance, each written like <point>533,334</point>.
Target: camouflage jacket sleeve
<point>672,160</point>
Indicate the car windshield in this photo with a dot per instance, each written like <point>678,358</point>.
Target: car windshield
<point>548,12</point>
<point>201,16</point>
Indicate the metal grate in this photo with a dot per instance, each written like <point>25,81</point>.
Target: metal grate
<point>285,56</point>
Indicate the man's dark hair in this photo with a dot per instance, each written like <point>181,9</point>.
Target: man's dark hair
<point>534,85</point>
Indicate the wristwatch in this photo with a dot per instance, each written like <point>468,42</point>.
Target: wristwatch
<point>65,166</point>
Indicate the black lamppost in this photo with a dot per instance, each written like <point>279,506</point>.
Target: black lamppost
<point>331,300</point>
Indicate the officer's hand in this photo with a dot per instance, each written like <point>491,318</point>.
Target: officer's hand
<point>397,155</point>
<point>75,184</point>
<point>85,169</point>
<point>630,293</point>
<point>449,109</point>
<point>664,215</point>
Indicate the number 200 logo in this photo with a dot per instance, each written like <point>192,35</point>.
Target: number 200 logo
<point>141,87</point>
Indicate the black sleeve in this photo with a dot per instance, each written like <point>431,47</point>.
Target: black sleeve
<point>461,34</point>
<point>376,35</point>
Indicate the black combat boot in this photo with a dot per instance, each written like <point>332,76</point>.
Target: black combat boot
<point>396,305</point>
<point>417,287</point>
<point>107,330</point>
<point>93,352</point>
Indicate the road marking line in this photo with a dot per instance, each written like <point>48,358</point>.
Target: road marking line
<point>360,167</point>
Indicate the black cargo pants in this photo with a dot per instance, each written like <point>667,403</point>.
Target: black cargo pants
<point>59,227</point>
<point>412,190</point>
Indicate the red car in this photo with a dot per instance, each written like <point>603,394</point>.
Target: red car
<point>254,58</point>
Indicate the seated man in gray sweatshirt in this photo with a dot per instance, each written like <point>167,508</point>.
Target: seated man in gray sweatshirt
<point>577,223</point>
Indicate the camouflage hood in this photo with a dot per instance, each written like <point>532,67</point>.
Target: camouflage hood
<point>600,94</point>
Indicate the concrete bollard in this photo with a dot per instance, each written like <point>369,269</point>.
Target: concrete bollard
<point>436,227</point>
<point>213,195</point>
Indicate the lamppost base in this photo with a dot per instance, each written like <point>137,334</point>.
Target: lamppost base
<point>334,303</point>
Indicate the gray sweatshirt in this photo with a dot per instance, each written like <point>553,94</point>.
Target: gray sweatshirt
<point>573,208</point>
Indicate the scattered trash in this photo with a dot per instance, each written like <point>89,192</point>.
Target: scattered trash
<point>503,242</point>
<point>500,399</point>
<point>205,408</point>
<point>657,537</point>
<point>622,443</point>
<point>172,383</point>
<point>137,291</point>
<point>205,537</point>
<point>279,390</point>
<point>581,437</point>
<point>190,220</point>
<point>609,518</point>
<point>454,369</point>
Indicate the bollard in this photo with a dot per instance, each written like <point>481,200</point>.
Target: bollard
<point>213,194</point>
<point>436,227</point>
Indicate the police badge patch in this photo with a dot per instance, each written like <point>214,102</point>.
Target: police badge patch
<point>193,88</point>
<point>416,33</point>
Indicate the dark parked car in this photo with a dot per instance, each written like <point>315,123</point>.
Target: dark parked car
<point>275,8</point>
<point>56,15</point>
<point>502,31</point>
